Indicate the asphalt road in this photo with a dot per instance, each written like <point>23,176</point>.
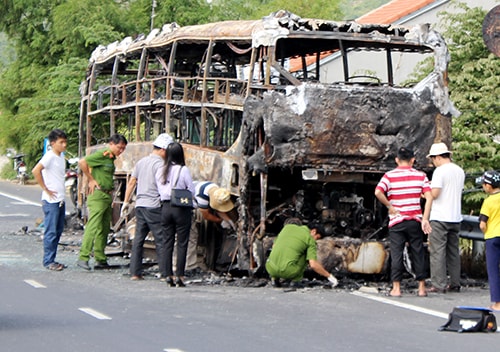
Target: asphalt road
<point>75,310</point>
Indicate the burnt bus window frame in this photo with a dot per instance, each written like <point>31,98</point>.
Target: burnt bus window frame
<point>314,45</point>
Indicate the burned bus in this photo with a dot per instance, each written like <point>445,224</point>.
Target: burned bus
<point>296,117</point>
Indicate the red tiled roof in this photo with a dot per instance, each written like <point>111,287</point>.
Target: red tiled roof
<point>385,14</point>
<point>393,11</point>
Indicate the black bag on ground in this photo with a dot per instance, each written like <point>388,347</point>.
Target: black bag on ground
<point>181,197</point>
<point>470,319</point>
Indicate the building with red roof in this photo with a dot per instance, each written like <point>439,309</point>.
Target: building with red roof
<point>407,13</point>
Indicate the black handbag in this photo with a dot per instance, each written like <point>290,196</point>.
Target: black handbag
<point>181,197</point>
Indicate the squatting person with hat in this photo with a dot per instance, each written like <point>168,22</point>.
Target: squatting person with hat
<point>147,207</point>
<point>446,215</point>
<point>489,223</point>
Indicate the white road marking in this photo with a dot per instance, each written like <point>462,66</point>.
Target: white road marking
<point>94,313</point>
<point>8,254</point>
<point>392,302</point>
<point>14,215</point>
<point>6,257</point>
<point>34,283</point>
<point>172,350</point>
<point>25,201</point>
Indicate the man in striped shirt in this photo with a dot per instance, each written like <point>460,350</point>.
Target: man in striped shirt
<point>400,190</point>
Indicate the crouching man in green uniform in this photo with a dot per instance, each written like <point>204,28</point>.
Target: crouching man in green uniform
<point>294,248</point>
<point>99,167</point>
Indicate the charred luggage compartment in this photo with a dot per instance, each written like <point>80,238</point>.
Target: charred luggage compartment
<point>296,117</point>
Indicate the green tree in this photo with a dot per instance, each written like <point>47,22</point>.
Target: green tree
<point>183,12</point>
<point>80,26</point>
<point>474,84</point>
<point>474,75</point>
<point>255,9</point>
<point>53,40</point>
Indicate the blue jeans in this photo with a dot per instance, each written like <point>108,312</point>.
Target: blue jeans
<point>492,266</point>
<point>54,225</point>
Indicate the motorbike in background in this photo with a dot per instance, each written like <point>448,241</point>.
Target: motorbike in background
<point>20,167</point>
<point>71,180</point>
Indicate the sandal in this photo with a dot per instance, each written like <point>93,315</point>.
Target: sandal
<point>55,267</point>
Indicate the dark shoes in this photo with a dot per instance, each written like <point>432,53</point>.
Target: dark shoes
<point>83,264</point>
<point>55,266</point>
<point>275,283</point>
<point>453,288</point>
<point>179,283</point>
<point>296,284</point>
<point>101,265</point>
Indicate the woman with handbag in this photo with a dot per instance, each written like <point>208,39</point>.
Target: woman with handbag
<point>176,193</point>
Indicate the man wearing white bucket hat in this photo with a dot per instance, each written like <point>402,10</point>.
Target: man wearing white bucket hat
<point>446,215</point>
<point>147,206</point>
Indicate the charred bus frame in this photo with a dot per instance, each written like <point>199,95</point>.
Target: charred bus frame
<point>262,109</point>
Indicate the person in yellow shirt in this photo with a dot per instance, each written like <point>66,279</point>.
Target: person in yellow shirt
<point>489,223</point>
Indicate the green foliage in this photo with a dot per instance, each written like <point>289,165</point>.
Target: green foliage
<point>474,75</point>
<point>7,52</point>
<point>474,84</point>
<point>27,23</point>
<point>80,26</point>
<point>7,172</point>
<point>255,9</point>
<point>184,12</point>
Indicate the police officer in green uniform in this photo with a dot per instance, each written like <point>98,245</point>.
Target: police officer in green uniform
<point>99,168</point>
<point>294,248</point>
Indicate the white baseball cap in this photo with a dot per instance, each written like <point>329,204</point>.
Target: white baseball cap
<point>163,141</point>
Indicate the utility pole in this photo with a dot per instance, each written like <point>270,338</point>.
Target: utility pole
<point>153,6</point>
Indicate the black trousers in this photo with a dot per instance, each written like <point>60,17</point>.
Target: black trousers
<point>407,231</point>
<point>148,219</point>
<point>176,220</point>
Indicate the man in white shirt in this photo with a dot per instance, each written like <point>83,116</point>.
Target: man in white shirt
<point>49,173</point>
<point>446,215</point>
